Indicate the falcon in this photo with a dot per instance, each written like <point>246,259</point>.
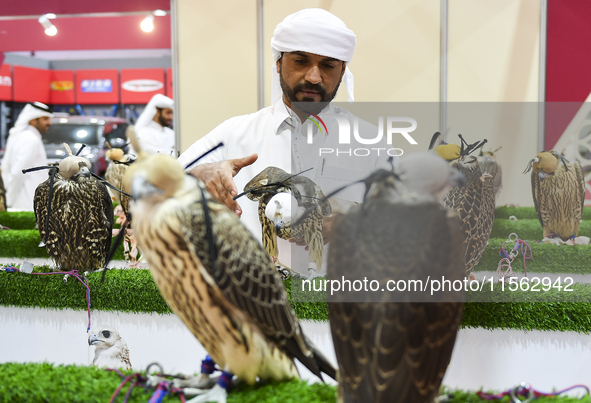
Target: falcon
<point>558,190</point>
<point>74,215</point>
<point>391,351</point>
<point>277,193</point>
<point>110,349</point>
<point>217,278</point>
<point>474,202</point>
<point>489,165</point>
<point>119,161</point>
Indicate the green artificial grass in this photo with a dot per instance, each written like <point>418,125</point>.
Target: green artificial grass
<point>47,383</point>
<point>133,290</point>
<point>529,212</point>
<point>130,290</point>
<point>18,220</point>
<point>25,244</point>
<point>547,258</point>
<point>528,229</point>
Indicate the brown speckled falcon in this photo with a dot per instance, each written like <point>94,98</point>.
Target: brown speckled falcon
<point>390,351</point>
<point>474,202</point>
<point>272,189</point>
<point>216,276</point>
<point>114,175</point>
<point>558,190</point>
<point>76,226</point>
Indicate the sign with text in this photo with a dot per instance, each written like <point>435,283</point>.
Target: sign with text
<point>138,86</point>
<point>97,86</point>
<point>5,83</point>
<point>61,87</point>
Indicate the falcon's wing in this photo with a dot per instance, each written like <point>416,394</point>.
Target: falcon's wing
<point>107,208</point>
<point>580,185</point>
<point>475,204</point>
<point>395,352</point>
<point>536,194</point>
<point>40,206</point>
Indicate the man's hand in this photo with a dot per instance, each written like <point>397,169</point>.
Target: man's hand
<point>218,180</point>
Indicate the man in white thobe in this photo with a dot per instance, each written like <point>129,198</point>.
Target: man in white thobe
<point>311,49</point>
<point>24,149</point>
<point>152,127</point>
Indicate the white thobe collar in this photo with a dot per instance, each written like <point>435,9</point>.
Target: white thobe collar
<point>285,119</point>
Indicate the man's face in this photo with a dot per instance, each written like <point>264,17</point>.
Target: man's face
<point>163,117</point>
<point>307,77</point>
<point>42,124</point>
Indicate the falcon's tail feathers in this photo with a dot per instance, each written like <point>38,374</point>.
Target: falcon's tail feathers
<point>316,362</point>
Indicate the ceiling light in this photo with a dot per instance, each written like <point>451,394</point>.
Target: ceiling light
<point>147,24</point>
<point>159,13</point>
<point>50,29</point>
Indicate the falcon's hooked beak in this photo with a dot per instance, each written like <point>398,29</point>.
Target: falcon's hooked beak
<point>141,188</point>
<point>83,172</point>
<point>279,224</point>
<point>93,339</point>
<point>543,175</point>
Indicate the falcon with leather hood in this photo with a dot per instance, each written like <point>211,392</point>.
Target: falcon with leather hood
<point>474,202</point>
<point>74,214</point>
<point>558,190</point>
<point>279,194</point>
<point>396,351</point>
<point>119,161</point>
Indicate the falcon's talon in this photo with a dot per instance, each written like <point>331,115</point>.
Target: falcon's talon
<point>217,394</point>
<point>66,276</point>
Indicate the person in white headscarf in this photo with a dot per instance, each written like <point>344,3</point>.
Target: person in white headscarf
<point>312,49</point>
<point>153,127</point>
<point>24,149</point>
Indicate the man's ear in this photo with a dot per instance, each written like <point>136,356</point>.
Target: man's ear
<point>278,64</point>
<point>343,70</point>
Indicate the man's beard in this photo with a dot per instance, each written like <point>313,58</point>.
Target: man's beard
<point>164,122</point>
<point>311,106</point>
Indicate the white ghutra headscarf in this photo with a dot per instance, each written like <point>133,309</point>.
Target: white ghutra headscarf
<point>29,112</point>
<point>157,101</point>
<point>313,30</point>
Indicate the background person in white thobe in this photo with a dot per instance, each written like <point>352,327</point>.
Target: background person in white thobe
<point>24,149</point>
<point>312,49</point>
<point>153,127</point>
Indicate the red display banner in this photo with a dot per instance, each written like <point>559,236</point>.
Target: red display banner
<point>61,87</point>
<point>138,86</point>
<point>30,85</point>
<point>97,87</point>
<point>5,83</point>
<point>169,83</point>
